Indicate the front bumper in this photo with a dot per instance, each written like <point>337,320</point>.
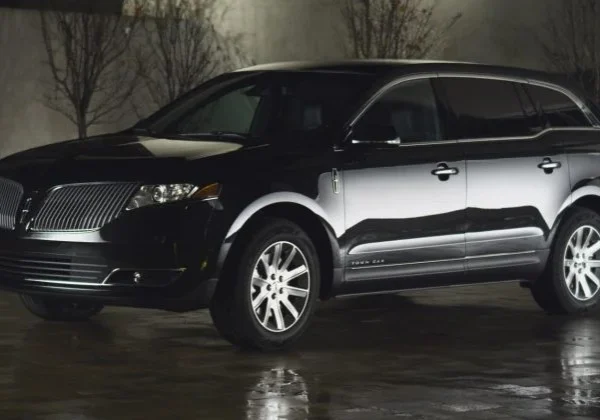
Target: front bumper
<point>159,258</point>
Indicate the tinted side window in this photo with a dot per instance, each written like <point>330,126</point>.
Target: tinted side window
<point>557,108</point>
<point>409,110</point>
<point>486,109</point>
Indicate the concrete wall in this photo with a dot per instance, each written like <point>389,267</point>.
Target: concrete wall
<point>24,121</point>
<point>490,31</point>
<point>271,30</point>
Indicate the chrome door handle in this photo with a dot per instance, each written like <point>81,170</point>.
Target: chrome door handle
<point>444,170</point>
<point>548,165</point>
<point>393,142</point>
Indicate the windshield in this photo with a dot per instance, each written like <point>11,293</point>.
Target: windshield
<point>266,105</point>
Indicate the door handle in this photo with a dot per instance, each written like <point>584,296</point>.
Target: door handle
<point>444,172</point>
<point>548,165</point>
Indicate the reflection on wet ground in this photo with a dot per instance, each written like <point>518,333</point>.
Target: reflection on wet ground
<point>482,352</point>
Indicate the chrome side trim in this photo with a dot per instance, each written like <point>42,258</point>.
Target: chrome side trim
<point>407,244</point>
<point>581,104</point>
<point>447,240</point>
<point>533,137</point>
<point>432,75</point>
<point>483,75</point>
<point>387,87</point>
<point>394,291</point>
<point>506,254</point>
<point>406,264</point>
<point>528,81</point>
<point>503,235</point>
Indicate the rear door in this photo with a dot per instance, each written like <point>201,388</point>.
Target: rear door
<point>517,176</point>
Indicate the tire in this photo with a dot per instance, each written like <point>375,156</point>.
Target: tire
<point>569,263</point>
<point>60,310</point>
<point>268,328</point>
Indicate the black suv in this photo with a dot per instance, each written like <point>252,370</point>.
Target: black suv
<point>266,189</point>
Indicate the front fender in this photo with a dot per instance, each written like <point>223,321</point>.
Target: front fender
<point>283,198</point>
<point>331,226</point>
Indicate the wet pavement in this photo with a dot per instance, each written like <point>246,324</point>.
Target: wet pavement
<point>483,352</point>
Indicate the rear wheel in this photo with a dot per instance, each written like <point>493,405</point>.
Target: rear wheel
<point>267,300</point>
<point>60,310</point>
<point>571,283</point>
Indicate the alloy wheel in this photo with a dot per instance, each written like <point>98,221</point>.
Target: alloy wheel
<point>280,286</point>
<point>581,263</point>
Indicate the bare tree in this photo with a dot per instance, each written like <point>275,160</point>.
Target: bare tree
<point>571,42</point>
<point>88,59</point>
<point>181,48</point>
<point>393,28</point>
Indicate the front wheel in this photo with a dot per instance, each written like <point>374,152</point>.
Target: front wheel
<point>571,283</point>
<point>268,300</point>
<point>60,310</point>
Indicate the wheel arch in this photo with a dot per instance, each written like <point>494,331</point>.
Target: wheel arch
<point>591,202</point>
<point>586,196</point>
<point>310,219</point>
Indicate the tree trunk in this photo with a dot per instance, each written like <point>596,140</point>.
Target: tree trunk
<point>82,125</point>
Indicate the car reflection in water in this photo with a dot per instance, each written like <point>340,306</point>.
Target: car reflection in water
<point>580,363</point>
<point>280,393</point>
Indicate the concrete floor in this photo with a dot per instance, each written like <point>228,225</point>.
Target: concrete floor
<point>482,352</point>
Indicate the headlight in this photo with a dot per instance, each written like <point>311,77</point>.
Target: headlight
<point>168,193</point>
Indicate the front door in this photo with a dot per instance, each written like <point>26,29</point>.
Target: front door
<point>405,195</point>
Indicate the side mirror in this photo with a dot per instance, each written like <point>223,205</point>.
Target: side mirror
<point>375,134</point>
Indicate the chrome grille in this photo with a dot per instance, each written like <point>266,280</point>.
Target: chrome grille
<point>82,207</point>
<point>11,193</point>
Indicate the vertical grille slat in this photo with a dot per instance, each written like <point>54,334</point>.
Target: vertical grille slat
<point>113,205</point>
<point>100,218</point>
<point>61,216</point>
<point>82,206</point>
<point>11,194</point>
<point>82,199</point>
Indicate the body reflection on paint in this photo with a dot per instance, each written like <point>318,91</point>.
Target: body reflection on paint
<point>580,368</point>
<point>279,393</point>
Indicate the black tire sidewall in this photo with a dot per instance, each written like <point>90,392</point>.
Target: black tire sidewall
<point>275,231</point>
<point>579,218</point>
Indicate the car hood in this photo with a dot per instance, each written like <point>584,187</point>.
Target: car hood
<point>129,147</point>
<point>115,157</point>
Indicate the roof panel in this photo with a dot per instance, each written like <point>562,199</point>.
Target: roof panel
<point>386,68</point>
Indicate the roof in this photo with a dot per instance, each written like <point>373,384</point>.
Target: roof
<point>396,68</point>
<point>371,65</point>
